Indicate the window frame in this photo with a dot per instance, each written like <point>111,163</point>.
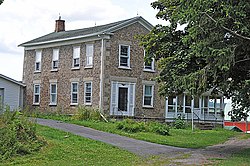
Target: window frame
<point>36,94</point>
<point>50,92</point>
<point>76,56</point>
<point>89,55</point>
<point>55,58</point>
<point>38,60</point>
<point>152,67</point>
<point>122,56</point>
<point>85,92</point>
<point>152,96</point>
<point>72,93</point>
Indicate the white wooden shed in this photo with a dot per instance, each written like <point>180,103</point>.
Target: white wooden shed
<point>11,93</point>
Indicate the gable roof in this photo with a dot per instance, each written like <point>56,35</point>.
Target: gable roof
<point>86,32</point>
<point>11,80</point>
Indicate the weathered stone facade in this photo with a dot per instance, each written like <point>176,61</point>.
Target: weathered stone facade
<point>105,49</point>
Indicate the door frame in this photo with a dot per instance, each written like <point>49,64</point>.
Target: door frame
<point>121,85</point>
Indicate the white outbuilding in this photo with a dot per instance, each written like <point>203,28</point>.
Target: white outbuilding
<point>11,93</point>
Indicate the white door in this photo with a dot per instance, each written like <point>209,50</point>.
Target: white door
<point>122,99</point>
<point>1,98</point>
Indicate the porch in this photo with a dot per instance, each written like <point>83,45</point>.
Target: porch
<point>201,109</point>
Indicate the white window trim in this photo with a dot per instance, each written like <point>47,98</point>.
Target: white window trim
<point>88,103</point>
<point>71,92</point>
<point>36,103</point>
<point>152,65</point>
<point>53,59</point>
<point>73,58</point>
<point>124,67</point>
<point>152,99</point>
<point>91,55</point>
<point>38,61</point>
<point>53,103</point>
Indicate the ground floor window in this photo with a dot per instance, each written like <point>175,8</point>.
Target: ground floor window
<point>53,94</point>
<point>87,93</point>
<point>36,97</point>
<point>148,95</point>
<point>74,93</point>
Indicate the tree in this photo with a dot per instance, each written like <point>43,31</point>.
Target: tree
<point>211,52</point>
<point>1,1</point>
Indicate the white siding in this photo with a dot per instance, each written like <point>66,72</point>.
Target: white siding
<point>13,94</point>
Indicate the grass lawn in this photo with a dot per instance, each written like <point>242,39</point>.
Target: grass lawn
<point>178,137</point>
<point>67,149</point>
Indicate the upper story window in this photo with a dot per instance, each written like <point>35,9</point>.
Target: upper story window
<point>87,93</point>
<point>74,93</point>
<point>55,59</point>
<point>53,94</point>
<point>36,97</point>
<point>89,55</point>
<point>148,91</point>
<point>76,57</point>
<point>38,60</point>
<point>124,56</point>
<point>148,64</point>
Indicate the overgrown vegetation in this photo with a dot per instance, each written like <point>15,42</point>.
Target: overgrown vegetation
<point>129,125</point>
<point>180,123</point>
<point>17,135</point>
<point>87,113</point>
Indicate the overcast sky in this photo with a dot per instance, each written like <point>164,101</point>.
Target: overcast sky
<point>23,20</point>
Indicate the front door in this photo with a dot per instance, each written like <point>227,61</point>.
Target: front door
<point>123,99</point>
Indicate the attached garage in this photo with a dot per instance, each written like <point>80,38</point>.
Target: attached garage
<point>11,93</point>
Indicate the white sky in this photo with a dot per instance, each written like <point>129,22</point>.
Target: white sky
<point>23,20</point>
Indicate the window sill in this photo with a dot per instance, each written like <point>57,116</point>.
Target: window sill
<point>36,104</point>
<point>54,70</point>
<point>124,67</point>
<point>75,68</point>
<point>149,70</point>
<point>52,104</point>
<point>73,104</point>
<point>148,106</point>
<point>88,104</point>
<point>88,67</point>
<point>37,71</point>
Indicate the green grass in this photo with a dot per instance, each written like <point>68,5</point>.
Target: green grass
<point>178,137</point>
<point>68,149</point>
<point>238,159</point>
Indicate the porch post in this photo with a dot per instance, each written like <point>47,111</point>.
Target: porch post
<point>176,106</point>
<point>192,110</point>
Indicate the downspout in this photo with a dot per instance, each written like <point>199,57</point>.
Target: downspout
<point>101,75</point>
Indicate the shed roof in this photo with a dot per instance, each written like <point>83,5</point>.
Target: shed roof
<point>12,80</point>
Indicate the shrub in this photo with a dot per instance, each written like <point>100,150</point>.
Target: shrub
<point>180,123</point>
<point>87,113</point>
<point>17,135</point>
<point>159,128</point>
<point>129,125</point>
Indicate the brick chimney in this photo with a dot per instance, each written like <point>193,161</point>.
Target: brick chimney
<point>60,25</point>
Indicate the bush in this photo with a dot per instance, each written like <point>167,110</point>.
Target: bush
<point>159,128</point>
<point>132,126</point>
<point>17,135</point>
<point>180,123</point>
<point>87,113</point>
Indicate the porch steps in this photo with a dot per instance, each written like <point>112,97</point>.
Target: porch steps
<point>205,126</point>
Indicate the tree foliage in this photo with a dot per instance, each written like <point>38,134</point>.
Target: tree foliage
<point>1,1</point>
<point>211,52</point>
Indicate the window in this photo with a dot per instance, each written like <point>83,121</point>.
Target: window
<point>38,60</point>
<point>124,56</point>
<point>148,64</point>
<point>89,54</point>
<point>74,93</point>
<point>148,95</point>
<point>88,93</point>
<point>53,94</point>
<point>36,99</point>
<point>76,57</point>
<point>55,59</point>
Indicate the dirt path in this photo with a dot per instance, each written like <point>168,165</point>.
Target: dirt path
<point>220,151</point>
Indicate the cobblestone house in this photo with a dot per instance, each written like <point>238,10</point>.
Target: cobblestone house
<point>101,67</point>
